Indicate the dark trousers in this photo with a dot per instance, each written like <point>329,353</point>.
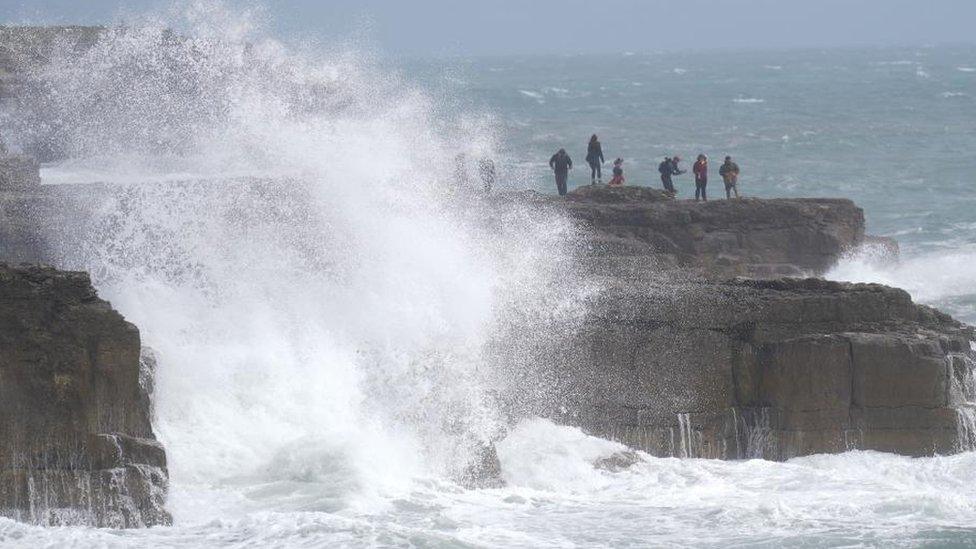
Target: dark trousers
<point>731,187</point>
<point>666,181</point>
<point>700,189</point>
<point>561,178</point>
<point>595,170</point>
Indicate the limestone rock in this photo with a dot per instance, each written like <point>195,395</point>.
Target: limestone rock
<point>720,238</point>
<point>74,417</point>
<point>772,369</point>
<point>485,471</point>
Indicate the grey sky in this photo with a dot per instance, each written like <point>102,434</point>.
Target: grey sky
<point>573,26</point>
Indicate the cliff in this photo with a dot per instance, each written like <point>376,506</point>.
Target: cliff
<point>675,358</point>
<point>772,369</point>
<point>762,238</point>
<point>74,407</point>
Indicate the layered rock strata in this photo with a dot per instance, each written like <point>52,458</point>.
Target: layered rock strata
<point>772,369</point>
<point>760,238</point>
<point>78,445</point>
<point>674,358</point>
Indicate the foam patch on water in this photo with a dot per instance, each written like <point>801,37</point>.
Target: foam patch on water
<point>539,454</point>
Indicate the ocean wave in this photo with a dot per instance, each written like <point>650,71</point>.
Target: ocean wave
<point>679,71</point>
<point>773,67</point>
<point>966,69</point>
<point>949,94</point>
<point>939,278</point>
<point>748,100</point>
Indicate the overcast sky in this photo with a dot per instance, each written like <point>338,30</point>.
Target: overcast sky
<point>448,27</point>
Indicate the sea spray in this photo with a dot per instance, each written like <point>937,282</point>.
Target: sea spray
<point>943,278</point>
<point>285,231</point>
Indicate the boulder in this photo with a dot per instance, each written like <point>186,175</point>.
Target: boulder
<point>79,448</point>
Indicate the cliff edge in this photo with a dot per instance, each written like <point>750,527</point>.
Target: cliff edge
<point>679,355</point>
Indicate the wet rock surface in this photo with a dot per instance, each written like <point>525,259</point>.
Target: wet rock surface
<point>763,238</point>
<point>772,369</point>
<point>676,358</point>
<point>78,445</point>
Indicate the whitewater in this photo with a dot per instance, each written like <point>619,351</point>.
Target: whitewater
<point>321,375</point>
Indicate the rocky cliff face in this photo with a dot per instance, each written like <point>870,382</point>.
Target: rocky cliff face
<point>772,369</point>
<point>674,360</point>
<point>74,407</point>
<point>762,238</point>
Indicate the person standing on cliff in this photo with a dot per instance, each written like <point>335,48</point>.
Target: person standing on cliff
<point>618,174</point>
<point>561,163</point>
<point>594,157</point>
<point>668,169</point>
<point>665,168</point>
<point>701,177</point>
<point>730,175</point>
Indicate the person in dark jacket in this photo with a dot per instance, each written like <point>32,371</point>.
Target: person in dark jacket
<point>701,177</point>
<point>668,169</point>
<point>561,163</point>
<point>594,157</point>
<point>730,175</point>
<point>665,169</point>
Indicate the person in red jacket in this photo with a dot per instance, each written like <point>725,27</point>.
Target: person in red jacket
<point>701,177</point>
<point>618,173</point>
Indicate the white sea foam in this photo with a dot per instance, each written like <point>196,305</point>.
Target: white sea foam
<point>936,278</point>
<point>556,497</point>
<point>538,96</point>
<point>320,335</point>
<point>966,69</point>
<point>749,100</point>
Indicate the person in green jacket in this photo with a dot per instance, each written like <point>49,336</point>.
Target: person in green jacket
<point>730,175</point>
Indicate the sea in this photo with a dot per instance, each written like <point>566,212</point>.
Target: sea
<point>893,129</point>
<point>320,383</point>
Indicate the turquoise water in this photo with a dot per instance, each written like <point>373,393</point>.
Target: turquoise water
<point>894,129</point>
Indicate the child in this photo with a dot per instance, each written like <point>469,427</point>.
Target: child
<point>618,173</point>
